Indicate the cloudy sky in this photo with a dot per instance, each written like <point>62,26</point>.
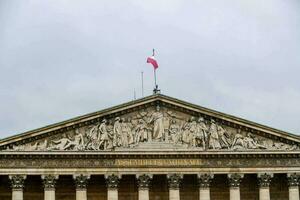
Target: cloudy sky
<point>64,58</point>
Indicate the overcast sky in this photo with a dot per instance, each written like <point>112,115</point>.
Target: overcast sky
<point>64,58</point>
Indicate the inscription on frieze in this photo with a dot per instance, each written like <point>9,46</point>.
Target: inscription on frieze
<point>140,163</point>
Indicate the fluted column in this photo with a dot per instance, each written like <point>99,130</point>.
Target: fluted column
<point>81,182</point>
<point>143,185</point>
<point>112,182</point>
<point>293,182</point>
<point>264,181</point>
<point>174,181</point>
<point>49,182</point>
<point>234,186</point>
<point>204,181</point>
<point>17,185</point>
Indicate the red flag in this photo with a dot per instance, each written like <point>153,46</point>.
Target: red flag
<point>152,61</point>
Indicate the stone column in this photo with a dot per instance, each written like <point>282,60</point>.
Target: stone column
<point>49,182</point>
<point>81,182</point>
<point>234,186</point>
<point>264,181</point>
<point>293,182</point>
<point>17,185</point>
<point>174,181</point>
<point>204,181</point>
<point>143,185</point>
<point>112,182</point>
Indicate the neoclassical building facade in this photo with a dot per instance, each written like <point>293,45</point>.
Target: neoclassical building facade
<point>154,148</point>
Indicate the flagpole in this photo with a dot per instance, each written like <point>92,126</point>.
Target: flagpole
<point>155,85</point>
<point>142,74</point>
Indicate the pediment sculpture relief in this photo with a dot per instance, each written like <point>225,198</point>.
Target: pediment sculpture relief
<point>155,128</point>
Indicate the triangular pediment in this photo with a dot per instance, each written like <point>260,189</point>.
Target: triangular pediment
<point>154,123</point>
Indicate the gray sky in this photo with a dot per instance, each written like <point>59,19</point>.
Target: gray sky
<point>64,58</point>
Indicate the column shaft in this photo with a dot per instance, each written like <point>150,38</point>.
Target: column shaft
<point>204,194</point>
<point>17,194</point>
<point>264,193</point>
<point>174,194</point>
<point>144,194</point>
<point>294,193</point>
<point>81,194</point>
<point>112,194</point>
<point>49,194</point>
<point>234,193</point>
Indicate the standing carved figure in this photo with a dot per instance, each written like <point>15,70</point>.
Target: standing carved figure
<point>117,129</point>
<point>104,138</point>
<point>202,132</point>
<point>130,132</point>
<point>141,132</point>
<point>224,138</point>
<point>124,133</point>
<point>158,129</point>
<point>175,132</point>
<point>214,141</point>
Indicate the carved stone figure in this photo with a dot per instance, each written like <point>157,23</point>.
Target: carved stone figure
<point>224,137</point>
<point>141,132</point>
<point>214,141</point>
<point>251,142</point>
<point>157,119</point>
<point>189,132</point>
<point>117,130</point>
<point>125,132</point>
<point>175,132</point>
<point>104,135</point>
<point>238,141</point>
<point>201,135</point>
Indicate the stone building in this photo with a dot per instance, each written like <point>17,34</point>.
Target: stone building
<point>154,148</point>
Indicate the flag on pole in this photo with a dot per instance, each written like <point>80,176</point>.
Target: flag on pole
<point>152,61</point>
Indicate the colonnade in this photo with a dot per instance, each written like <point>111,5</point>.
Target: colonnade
<point>144,181</point>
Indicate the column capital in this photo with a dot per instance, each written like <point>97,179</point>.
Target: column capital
<point>17,181</point>
<point>264,179</point>
<point>204,180</point>
<point>235,180</point>
<point>81,181</point>
<point>293,179</point>
<point>112,181</point>
<point>49,181</point>
<point>144,181</point>
<point>174,181</point>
